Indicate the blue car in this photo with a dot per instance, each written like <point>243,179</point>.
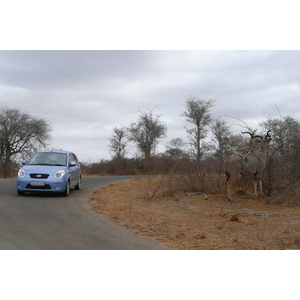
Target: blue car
<point>50,171</point>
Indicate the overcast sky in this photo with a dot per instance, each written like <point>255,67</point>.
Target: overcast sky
<point>85,94</point>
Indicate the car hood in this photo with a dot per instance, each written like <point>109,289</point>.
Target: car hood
<point>43,169</point>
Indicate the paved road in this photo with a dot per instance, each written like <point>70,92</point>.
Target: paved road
<point>63,223</point>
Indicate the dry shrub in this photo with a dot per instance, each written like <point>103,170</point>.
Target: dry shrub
<point>287,200</point>
<point>172,185</point>
<point>201,177</point>
<point>160,186</point>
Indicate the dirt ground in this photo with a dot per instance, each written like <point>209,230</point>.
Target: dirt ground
<point>198,221</point>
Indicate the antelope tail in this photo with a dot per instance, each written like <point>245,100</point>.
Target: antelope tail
<point>227,175</point>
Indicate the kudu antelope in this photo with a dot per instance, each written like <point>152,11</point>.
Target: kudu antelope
<point>253,163</point>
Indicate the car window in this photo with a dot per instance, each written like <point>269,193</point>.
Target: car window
<point>75,158</point>
<point>60,160</point>
<point>48,159</point>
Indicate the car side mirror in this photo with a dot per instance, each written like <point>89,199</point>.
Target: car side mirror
<point>24,161</point>
<point>72,163</point>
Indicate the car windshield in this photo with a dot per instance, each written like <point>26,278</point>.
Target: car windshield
<point>48,159</point>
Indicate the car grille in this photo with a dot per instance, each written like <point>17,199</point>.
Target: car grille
<point>43,187</point>
<point>39,176</point>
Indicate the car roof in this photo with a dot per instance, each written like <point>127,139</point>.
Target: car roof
<point>54,151</point>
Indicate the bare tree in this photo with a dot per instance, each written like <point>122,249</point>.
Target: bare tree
<point>175,148</point>
<point>20,133</point>
<point>118,142</point>
<point>198,114</point>
<point>221,137</point>
<point>146,132</point>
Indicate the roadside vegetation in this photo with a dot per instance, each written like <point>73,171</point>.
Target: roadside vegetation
<point>196,161</point>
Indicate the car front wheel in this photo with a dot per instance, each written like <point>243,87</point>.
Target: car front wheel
<point>67,189</point>
<point>78,185</point>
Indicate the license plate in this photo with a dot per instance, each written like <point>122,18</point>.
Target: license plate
<point>37,183</point>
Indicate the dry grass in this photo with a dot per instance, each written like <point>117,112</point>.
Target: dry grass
<point>159,208</point>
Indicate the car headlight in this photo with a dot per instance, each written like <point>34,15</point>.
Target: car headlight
<point>21,173</point>
<point>59,174</point>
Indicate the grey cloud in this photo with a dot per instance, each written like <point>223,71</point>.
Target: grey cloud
<point>61,69</point>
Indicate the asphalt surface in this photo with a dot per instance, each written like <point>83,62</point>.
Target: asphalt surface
<point>47,222</point>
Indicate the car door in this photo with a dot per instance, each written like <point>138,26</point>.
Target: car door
<point>74,170</point>
<point>78,169</point>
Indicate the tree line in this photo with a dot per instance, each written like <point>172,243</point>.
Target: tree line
<point>200,123</point>
<point>198,158</point>
<point>149,129</point>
